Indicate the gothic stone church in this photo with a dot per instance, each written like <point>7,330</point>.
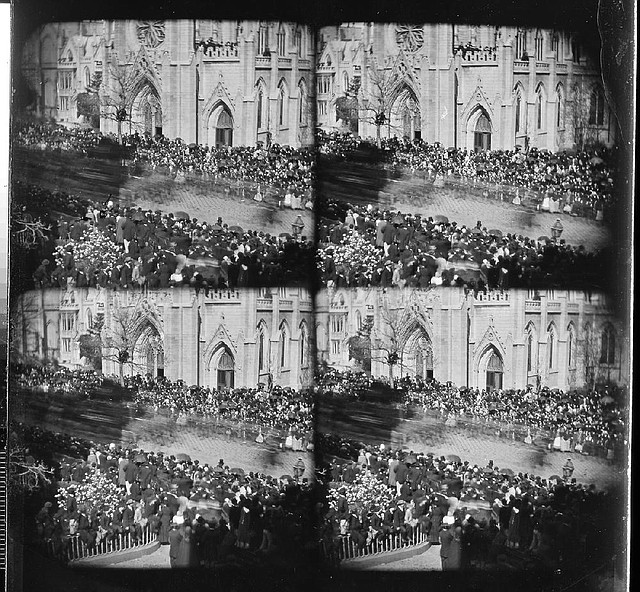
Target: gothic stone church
<point>223,339</point>
<point>216,83</point>
<point>469,87</point>
<point>487,340</point>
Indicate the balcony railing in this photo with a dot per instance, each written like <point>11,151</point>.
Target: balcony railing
<point>494,296</point>
<point>221,52</point>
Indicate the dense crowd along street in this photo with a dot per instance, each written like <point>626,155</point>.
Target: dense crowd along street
<point>371,246</point>
<point>276,166</point>
<point>479,516</point>
<point>588,421</point>
<point>281,408</point>
<point>212,514</point>
<point>578,183</point>
<point>89,244</point>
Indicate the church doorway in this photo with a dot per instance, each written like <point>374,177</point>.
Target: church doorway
<point>416,358</point>
<point>482,134</point>
<point>148,353</point>
<point>225,371</point>
<point>224,129</point>
<point>405,121</point>
<point>220,127</point>
<point>146,112</point>
<point>495,372</point>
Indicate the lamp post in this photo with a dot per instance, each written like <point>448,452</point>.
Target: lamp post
<point>297,226</point>
<point>556,229</point>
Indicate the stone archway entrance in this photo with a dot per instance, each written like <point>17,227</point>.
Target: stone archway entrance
<point>494,371</point>
<point>417,356</point>
<point>222,369</point>
<point>482,133</point>
<point>148,353</point>
<point>220,127</point>
<point>146,112</point>
<point>405,120</point>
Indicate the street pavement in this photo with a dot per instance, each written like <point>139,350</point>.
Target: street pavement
<point>204,200</point>
<point>464,203</point>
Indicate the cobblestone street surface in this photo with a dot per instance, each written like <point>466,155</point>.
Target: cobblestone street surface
<point>204,200</point>
<point>465,204</point>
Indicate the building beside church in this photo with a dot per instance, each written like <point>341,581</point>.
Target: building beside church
<point>560,339</point>
<point>219,83</point>
<point>223,339</point>
<point>473,87</point>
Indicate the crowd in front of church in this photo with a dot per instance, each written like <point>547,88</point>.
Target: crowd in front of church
<point>93,244</point>
<point>266,408</point>
<point>576,183</point>
<point>478,516</point>
<point>283,168</point>
<point>373,246</point>
<point>208,514</point>
<point>587,421</point>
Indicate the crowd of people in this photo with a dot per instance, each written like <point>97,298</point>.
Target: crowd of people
<point>46,136</point>
<point>102,491</point>
<point>113,246</point>
<point>281,408</point>
<point>271,407</point>
<point>582,180</point>
<point>590,422</point>
<point>276,166</point>
<point>58,380</point>
<point>478,515</point>
<point>372,246</point>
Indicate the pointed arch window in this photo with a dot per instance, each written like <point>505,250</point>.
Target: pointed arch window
<point>302,105</point>
<point>551,348</point>
<point>530,360</point>
<point>540,108</point>
<point>559,109</point>
<point>261,352</point>
<point>263,39</point>
<point>518,113</point>
<point>260,109</point>
<point>303,348</point>
<point>596,107</point>
<point>282,105</point>
<point>608,346</point>
<point>284,346</point>
<point>282,41</point>
<point>521,44</point>
<point>539,42</point>
<point>571,349</point>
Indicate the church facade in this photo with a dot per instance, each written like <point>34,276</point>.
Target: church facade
<point>223,339</point>
<point>473,87</point>
<point>560,339</point>
<point>216,83</point>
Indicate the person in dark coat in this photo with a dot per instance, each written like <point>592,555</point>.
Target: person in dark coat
<point>175,538</point>
<point>187,556</point>
<point>165,522</point>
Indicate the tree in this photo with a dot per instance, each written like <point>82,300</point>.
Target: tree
<point>347,106</point>
<point>386,337</point>
<point>119,336</point>
<point>360,345</point>
<point>377,99</point>
<point>579,110</point>
<point>90,343</point>
<point>88,102</point>
<point>117,94</point>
